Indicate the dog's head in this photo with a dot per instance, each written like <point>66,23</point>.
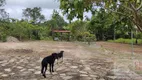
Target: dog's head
<point>55,55</point>
<point>61,51</point>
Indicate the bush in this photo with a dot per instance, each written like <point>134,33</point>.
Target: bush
<point>3,37</point>
<point>47,38</point>
<point>128,41</point>
<point>139,35</point>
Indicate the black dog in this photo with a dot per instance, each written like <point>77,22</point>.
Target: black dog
<point>60,55</point>
<point>48,60</point>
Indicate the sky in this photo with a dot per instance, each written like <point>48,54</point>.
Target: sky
<point>15,7</point>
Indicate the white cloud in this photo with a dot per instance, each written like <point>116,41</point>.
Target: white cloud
<point>50,4</point>
<point>14,12</point>
<point>88,14</point>
<point>47,13</point>
<point>15,7</point>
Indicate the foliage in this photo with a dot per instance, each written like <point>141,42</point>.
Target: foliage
<point>111,19</point>
<point>23,30</point>
<point>74,8</point>
<point>4,26</point>
<point>3,37</point>
<point>33,14</point>
<point>80,32</point>
<point>130,9</point>
<point>56,22</point>
<point>3,15</point>
<point>77,29</point>
<point>128,41</point>
<point>58,19</point>
<point>89,37</point>
<point>100,24</point>
<point>2,2</point>
<point>31,29</point>
<point>139,35</point>
<point>106,25</point>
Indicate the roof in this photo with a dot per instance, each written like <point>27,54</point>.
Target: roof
<point>62,31</point>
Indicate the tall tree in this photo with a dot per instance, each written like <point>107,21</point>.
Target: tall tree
<point>128,8</point>
<point>99,24</point>
<point>2,2</point>
<point>105,27</point>
<point>3,14</point>
<point>78,29</point>
<point>57,21</point>
<point>3,21</point>
<point>33,14</point>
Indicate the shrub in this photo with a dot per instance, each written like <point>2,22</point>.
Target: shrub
<point>3,37</point>
<point>128,41</point>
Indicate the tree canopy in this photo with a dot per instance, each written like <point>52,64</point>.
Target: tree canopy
<point>56,21</point>
<point>111,19</point>
<point>3,14</point>
<point>33,14</point>
<point>2,2</point>
<point>128,8</point>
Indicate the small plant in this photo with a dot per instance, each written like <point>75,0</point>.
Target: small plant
<point>89,37</point>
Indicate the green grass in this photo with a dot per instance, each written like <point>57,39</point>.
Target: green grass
<point>128,41</point>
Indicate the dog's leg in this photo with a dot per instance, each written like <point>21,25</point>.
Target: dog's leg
<point>42,69</point>
<point>44,73</point>
<point>50,68</point>
<point>57,61</point>
<point>53,67</point>
<point>62,58</point>
<point>45,69</point>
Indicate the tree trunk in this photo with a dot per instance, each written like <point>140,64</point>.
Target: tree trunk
<point>20,38</point>
<point>137,19</point>
<point>136,41</point>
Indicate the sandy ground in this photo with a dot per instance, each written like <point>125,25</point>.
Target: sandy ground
<point>98,61</point>
<point>121,47</point>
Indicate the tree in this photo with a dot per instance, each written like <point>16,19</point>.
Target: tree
<point>3,17</point>
<point>51,24</point>
<point>128,8</point>
<point>2,2</point>
<point>78,28</point>
<point>3,14</point>
<point>33,14</point>
<point>100,24</point>
<point>105,27</point>
<point>56,21</point>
